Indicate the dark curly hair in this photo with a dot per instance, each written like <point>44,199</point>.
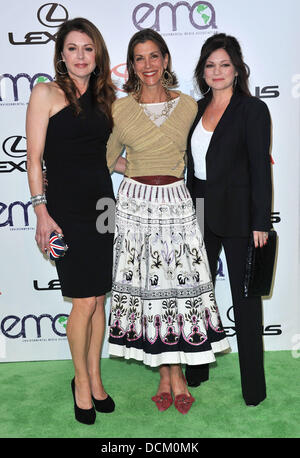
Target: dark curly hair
<point>232,47</point>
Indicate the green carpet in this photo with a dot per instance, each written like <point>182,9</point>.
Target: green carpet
<point>36,402</point>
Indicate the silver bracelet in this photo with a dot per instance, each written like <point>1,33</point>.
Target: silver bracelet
<point>38,199</point>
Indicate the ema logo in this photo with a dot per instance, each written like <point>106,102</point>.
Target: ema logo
<point>15,214</point>
<point>49,15</point>
<point>14,327</point>
<point>200,15</point>
<point>15,81</point>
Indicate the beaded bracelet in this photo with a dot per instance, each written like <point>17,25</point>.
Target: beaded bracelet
<point>38,199</point>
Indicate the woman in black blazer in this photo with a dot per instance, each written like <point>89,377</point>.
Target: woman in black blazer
<point>229,167</point>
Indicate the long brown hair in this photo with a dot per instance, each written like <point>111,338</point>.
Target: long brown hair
<point>100,81</point>
<point>141,37</point>
<point>232,47</point>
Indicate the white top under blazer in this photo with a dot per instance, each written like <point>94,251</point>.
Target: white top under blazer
<point>199,145</point>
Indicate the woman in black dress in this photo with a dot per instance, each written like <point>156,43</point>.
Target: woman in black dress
<point>229,167</point>
<point>68,124</point>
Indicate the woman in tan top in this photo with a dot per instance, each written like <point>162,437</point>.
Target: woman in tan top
<point>163,307</point>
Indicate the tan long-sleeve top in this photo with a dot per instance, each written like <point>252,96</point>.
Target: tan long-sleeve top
<point>150,150</point>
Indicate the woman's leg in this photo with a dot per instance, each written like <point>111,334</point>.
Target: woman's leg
<point>165,379</point>
<point>79,335</point>
<point>172,379</point>
<point>163,398</point>
<point>248,324</point>
<point>183,400</point>
<point>95,348</point>
<point>178,383</point>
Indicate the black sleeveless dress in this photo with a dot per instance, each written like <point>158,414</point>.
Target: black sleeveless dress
<point>77,174</point>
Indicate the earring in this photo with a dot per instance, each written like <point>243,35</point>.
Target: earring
<point>137,86</point>
<point>235,81</point>
<point>206,92</point>
<point>57,69</point>
<point>166,79</point>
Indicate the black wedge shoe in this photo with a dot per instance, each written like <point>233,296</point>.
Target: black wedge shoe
<point>106,405</point>
<point>86,416</point>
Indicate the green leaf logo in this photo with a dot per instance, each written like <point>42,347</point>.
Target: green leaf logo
<point>204,16</point>
<point>42,79</point>
<point>201,8</point>
<point>63,321</point>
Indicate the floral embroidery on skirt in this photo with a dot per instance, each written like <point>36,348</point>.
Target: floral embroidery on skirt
<point>163,308</point>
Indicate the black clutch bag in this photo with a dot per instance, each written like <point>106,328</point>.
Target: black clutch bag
<point>260,267</point>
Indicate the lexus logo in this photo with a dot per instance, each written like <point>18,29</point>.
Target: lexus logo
<point>230,315</point>
<point>52,14</point>
<point>270,330</point>
<point>15,146</point>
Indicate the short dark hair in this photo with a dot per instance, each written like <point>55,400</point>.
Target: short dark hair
<point>141,37</point>
<point>232,47</point>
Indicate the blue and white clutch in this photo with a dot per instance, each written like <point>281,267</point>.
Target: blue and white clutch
<point>58,246</point>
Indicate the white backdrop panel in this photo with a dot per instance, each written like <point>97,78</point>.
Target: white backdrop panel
<point>33,314</point>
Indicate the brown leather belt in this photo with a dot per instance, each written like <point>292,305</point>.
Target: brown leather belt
<point>156,179</point>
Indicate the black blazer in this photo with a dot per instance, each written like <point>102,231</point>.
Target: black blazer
<point>238,168</point>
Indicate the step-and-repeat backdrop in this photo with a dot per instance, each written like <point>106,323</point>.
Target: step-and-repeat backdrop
<point>33,314</point>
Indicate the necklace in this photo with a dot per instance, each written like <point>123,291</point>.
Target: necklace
<point>164,113</point>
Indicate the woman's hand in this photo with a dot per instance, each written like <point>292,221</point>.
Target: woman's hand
<point>45,226</point>
<point>260,238</point>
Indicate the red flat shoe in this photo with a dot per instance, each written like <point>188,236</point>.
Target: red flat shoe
<point>163,401</point>
<point>183,403</point>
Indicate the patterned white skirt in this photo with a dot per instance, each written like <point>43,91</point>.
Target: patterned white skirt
<point>163,308</point>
